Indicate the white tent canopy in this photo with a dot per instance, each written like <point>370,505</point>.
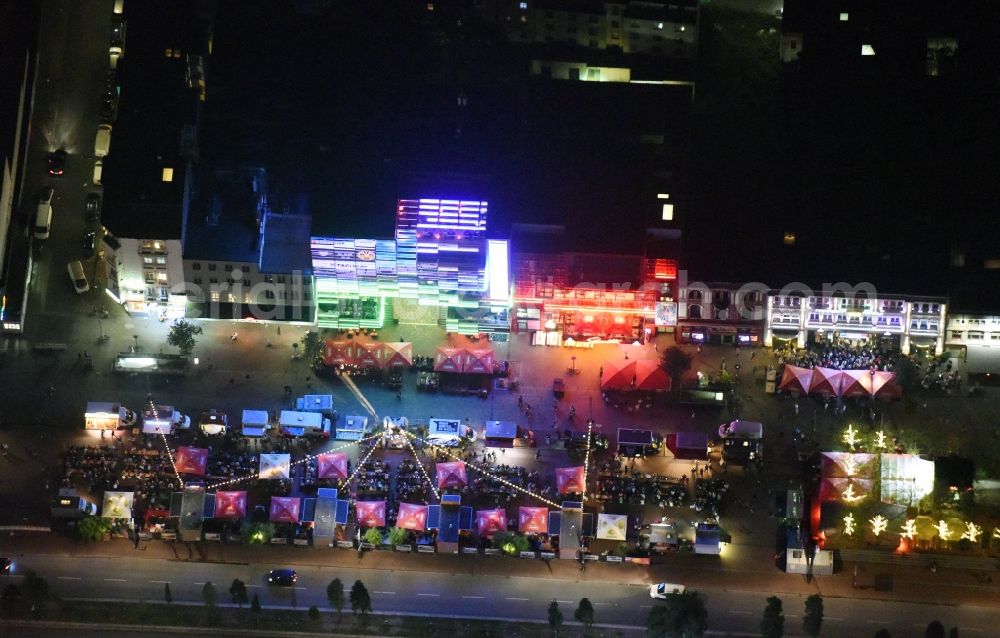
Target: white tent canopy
<point>275,466</point>
<point>118,504</point>
<point>906,478</point>
<point>612,527</point>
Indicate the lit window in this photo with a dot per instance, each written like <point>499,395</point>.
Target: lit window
<point>867,49</point>
<point>659,25</point>
<point>215,295</point>
<point>789,239</point>
<point>168,174</point>
<point>524,5</point>
<point>844,16</point>
<point>430,6</point>
<point>663,196</point>
<point>668,212</point>
<point>161,276</point>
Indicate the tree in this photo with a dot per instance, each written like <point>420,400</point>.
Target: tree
<point>167,596</point>
<point>335,595</point>
<point>813,619</point>
<point>361,601</point>
<point>93,528</point>
<point>906,374</point>
<point>238,591</point>
<point>934,630</point>
<point>511,543</point>
<point>584,613</point>
<point>209,595</point>
<point>35,590</point>
<point>883,633</point>
<point>675,362</point>
<point>398,536</point>
<point>772,625</point>
<point>255,608</point>
<point>258,533</point>
<point>182,334</point>
<point>313,613</point>
<point>555,617</point>
<point>682,615</point>
<point>312,346</point>
<point>373,536</point>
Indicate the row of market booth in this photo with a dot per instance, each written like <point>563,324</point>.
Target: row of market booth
<point>839,383</point>
<point>388,354</point>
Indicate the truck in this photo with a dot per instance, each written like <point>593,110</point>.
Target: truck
<point>107,415</point>
<point>448,432</point>
<point>320,403</point>
<point>71,506</point>
<point>294,423</point>
<point>742,441</point>
<point>164,419</point>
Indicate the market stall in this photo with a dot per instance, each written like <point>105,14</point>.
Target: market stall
<point>397,354</point>
<point>796,380</point>
<point>370,513</point>
<point>488,522</point>
<point>231,505</point>
<point>332,465</point>
<point>191,460</point>
<point>616,376</point>
<point>118,505</point>
<point>448,359</point>
<point>650,376</point>
<point>451,475</point>
<point>612,527</point>
<point>570,480</point>
<point>255,423</point>
<point>533,520</point>
<point>337,353</point>
<point>275,466</point>
<point>412,517</point>
<point>285,509</point>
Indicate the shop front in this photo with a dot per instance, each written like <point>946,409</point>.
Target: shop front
<point>743,334</point>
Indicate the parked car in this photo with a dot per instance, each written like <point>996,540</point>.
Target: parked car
<point>109,109</point>
<point>57,162</point>
<point>98,170</point>
<point>663,590</point>
<point>88,244</point>
<point>282,577</point>
<point>93,207</point>
<point>117,30</point>
<point>80,284</point>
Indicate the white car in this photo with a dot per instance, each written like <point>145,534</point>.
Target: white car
<point>80,284</point>
<point>663,590</point>
<point>114,54</point>
<point>98,170</point>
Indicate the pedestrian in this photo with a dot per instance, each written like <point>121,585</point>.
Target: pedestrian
<point>752,355</point>
<point>600,371</point>
<point>692,415</point>
<point>626,356</point>
<point>279,330</point>
<point>520,401</point>
<point>796,408</point>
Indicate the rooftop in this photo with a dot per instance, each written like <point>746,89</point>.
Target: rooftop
<point>286,244</point>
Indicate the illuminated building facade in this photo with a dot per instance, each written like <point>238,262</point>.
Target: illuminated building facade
<point>585,296</point>
<point>440,258</point>
<point>891,320</point>
<point>722,313</point>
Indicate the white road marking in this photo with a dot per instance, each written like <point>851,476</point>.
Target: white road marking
<point>161,582</point>
<point>833,618</point>
<point>430,595</point>
<point>387,593</point>
<point>474,597</point>
<point>299,588</point>
<point>255,586</point>
<point>741,613</point>
<point>515,599</point>
<point>646,606</point>
<point>596,603</point>
<point>197,583</point>
<point>569,602</point>
<point>115,580</point>
<point>69,578</point>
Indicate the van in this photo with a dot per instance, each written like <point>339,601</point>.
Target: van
<point>80,284</point>
<point>102,143</point>
<point>43,216</point>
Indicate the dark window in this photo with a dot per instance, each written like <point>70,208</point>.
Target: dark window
<point>196,266</point>
<point>211,266</point>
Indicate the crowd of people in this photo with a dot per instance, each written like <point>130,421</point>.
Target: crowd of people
<point>411,486</point>
<point>490,487</point>
<point>840,356</point>
<point>374,479</point>
<point>145,472</point>
<point>625,485</point>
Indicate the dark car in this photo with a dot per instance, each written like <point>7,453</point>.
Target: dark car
<point>109,109</point>
<point>57,162</point>
<point>117,31</point>
<point>282,577</point>
<point>6,566</point>
<point>88,243</point>
<point>93,207</point>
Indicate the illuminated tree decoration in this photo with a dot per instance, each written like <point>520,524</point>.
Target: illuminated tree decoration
<point>880,442</point>
<point>849,466</point>
<point>942,529</point>
<point>849,525</point>
<point>850,496</point>
<point>851,436</point>
<point>972,532</point>
<point>996,532</point>
<point>879,524</point>
<point>910,529</point>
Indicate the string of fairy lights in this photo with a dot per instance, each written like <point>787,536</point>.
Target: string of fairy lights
<point>166,446</point>
<point>502,480</point>
<point>586,458</point>
<point>357,468</point>
<point>423,471</point>
<point>305,459</point>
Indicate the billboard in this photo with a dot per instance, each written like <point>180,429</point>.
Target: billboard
<point>666,313</point>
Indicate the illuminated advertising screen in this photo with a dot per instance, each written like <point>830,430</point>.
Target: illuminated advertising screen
<point>666,313</point>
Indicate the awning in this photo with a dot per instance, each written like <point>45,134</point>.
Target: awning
<point>118,504</point>
<point>368,355</point>
<point>570,480</point>
<point>412,517</point>
<point>450,475</point>
<point>478,361</point>
<point>533,520</point>
<point>448,359</point>
<point>398,353</point>
<point>275,466</point>
<point>650,376</point>
<point>617,377</point>
<point>232,505</point>
<point>501,430</point>
<point>255,422</point>
<point>332,465</point>
<point>856,383</point>
<point>612,527</point>
<point>884,385</point>
<point>336,353</point>
<point>370,513</point>
<point>490,521</point>
<point>796,379</point>
<point>825,381</point>
<point>191,460</point>
<point>285,509</point>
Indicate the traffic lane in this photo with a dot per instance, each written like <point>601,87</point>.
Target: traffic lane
<point>511,597</point>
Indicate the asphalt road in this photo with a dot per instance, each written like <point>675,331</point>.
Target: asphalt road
<point>412,592</point>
